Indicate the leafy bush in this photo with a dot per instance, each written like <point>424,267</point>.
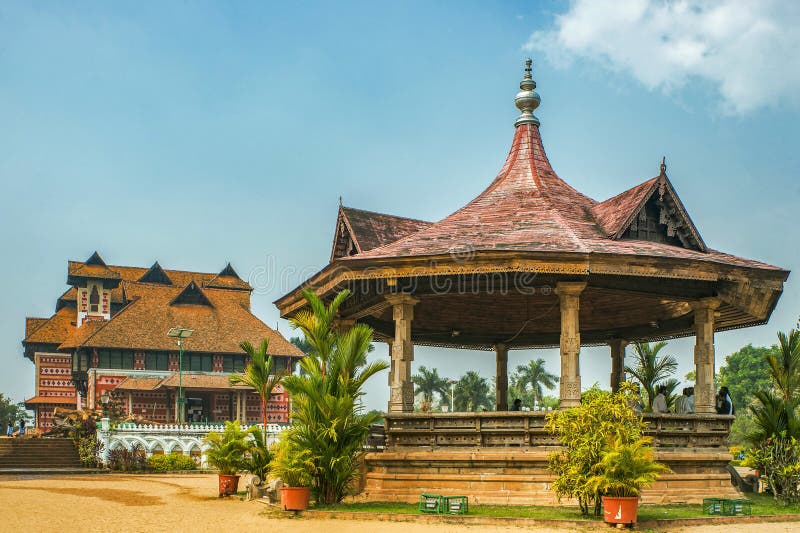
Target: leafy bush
<point>123,460</point>
<point>257,460</point>
<point>169,462</point>
<point>778,460</point>
<point>227,449</point>
<point>604,427</point>
<point>625,469</point>
<point>292,464</point>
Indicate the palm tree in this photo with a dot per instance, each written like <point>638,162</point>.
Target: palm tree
<point>785,365</point>
<point>259,374</point>
<point>301,344</point>
<point>329,417</point>
<point>650,369</point>
<point>536,376</point>
<point>472,393</point>
<point>428,383</point>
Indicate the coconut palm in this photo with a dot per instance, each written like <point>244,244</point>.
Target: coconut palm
<point>651,369</point>
<point>329,418</point>
<point>472,393</point>
<point>428,383</point>
<point>535,376</point>
<point>259,374</point>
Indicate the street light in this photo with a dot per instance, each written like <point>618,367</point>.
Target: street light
<point>180,334</point>
<point>452,394</point>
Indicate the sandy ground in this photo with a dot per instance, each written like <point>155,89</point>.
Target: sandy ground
<point>189,503</point>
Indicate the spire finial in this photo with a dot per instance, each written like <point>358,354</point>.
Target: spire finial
<point>340,201</point>
<point>663,165</point>
<point>527,100</point>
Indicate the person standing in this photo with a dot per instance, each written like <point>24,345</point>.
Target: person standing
<point>724,404</point>
<point>10,430</point>
<point>682,403</point>
<point>691,399</point>
<point>21,426</point>
<point>660,401</point>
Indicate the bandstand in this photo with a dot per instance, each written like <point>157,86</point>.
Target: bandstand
<point>533,263</point>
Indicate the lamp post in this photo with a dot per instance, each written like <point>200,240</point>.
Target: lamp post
<point>80,376</point>
<point>180,334</point>
<point>452,394</point>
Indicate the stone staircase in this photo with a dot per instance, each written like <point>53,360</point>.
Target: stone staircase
<point>42,455</point>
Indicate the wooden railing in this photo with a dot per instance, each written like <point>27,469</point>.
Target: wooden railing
<point>492,429</point>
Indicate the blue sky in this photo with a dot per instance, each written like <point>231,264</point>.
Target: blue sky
<point>200,133</point>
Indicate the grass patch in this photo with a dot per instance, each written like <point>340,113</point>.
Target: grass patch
<point>763,505</point>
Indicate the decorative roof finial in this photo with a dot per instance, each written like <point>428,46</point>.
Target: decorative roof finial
<point>527,100</point>
<point>663,165</point>
<point>340,201</point>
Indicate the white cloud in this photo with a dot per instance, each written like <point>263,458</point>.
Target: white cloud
<point>749,49</point>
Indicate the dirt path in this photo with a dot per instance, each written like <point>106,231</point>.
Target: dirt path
<point>111,503</point>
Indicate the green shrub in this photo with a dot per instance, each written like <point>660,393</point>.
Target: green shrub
<point>172,461</point>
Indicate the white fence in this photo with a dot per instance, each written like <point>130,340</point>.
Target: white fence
<point>165,438</point>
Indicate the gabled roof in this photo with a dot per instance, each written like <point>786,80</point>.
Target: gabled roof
<point>55,330</point>
<point>155,274</point>
<point>615,214</point>
<point>359,231</point>
<point>32,324</point>
<point>191,295</point>
<point>228,279</point>
<point>92,268</point>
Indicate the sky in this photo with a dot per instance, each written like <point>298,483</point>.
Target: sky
<point>197,133</point>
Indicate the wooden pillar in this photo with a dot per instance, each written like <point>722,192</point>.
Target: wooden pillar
<point>569,293</point>
<point>617,362</point>
<point>130,402</point>
<point>501,376</point>
<point>401,389</point>
<point>238,399</point>
<point>341,325</point>
<point>704,354</point>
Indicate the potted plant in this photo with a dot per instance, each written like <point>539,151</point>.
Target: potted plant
<point>226,452</point>
<point>294,466</point>
<point>624,470</point>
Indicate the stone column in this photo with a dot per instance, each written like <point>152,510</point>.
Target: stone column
<point>704,354</point>
<point>401,389</point>
<point>238,399</point>
<point>501,376</point>
<point>617,362</point>
<point>569,293</point>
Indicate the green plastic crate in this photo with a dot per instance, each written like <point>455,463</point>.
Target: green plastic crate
<point>430,503</point>
<point>714,506</point>
<point>455,505</point>
<point>735,507</point>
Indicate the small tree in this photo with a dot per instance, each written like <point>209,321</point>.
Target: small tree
<point>259,374</point>
<point>472,393</point>
<point>651,369</point>
<point>535,376</point>
<point>428,382</point>
<point>602,420</point>
<point>226,450</point>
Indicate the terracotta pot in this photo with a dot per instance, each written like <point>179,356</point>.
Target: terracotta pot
<point>618,510</point>
<point>295,498</point>
<point>228,484</point>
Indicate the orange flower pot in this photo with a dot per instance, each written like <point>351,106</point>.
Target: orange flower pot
<point>620,510</point>
<point>228,484</point>
<point>295,498</point>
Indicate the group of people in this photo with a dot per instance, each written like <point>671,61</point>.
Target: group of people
<point>684,404</point>
<point>10,430</point>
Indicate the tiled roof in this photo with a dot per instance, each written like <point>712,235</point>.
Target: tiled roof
<point>32,324</point>
<point>528,208</point>
<point>151,309</point>
<point>56,330</point>
<point>372,230</point>
<point>131,383</point>
<point>219,328</point>
<point>55,400</point>
<point>76,269</point>
<point>613,214</point>
<point>201,381</point>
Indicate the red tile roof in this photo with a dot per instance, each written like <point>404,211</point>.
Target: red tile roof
<point>371,229</point>
<point>151,309</point>
<point>615,214</point>
<point>55,400</point>
<point>131,383</point>
<point>529,208</point>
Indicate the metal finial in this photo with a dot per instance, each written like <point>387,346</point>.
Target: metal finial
<point>527,100</point>
<point>340,201</point>
<point>663,165</point>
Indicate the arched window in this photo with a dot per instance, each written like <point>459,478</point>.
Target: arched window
<point>94,300</point>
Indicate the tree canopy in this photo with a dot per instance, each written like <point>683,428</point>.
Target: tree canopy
<point>428,382</point>
<point>745,372</point>
<point>10,411</point>
<point>473,393</point>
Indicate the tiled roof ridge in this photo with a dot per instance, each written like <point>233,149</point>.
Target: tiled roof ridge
<point>613,229</point>
<point>42,322</point>
<point>250,312</point>
<point>368,211</point>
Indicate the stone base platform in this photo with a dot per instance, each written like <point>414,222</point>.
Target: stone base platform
<point>519,475</point>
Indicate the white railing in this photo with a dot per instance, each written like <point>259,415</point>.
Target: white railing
<point>166,438</point>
